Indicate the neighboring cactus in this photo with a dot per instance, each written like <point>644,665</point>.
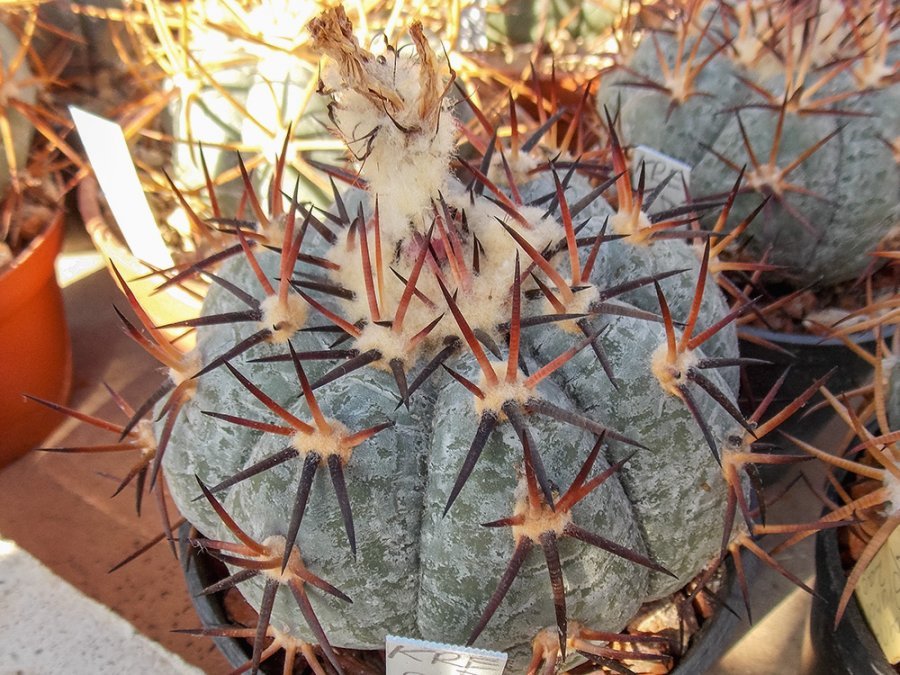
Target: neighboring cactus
<point>16,83</point>
<point>528,21</point>
<point>872,502</point>
<point>804,95</point>
<point>239,81</point>
<point>428,277</point>
<point>30,185</point>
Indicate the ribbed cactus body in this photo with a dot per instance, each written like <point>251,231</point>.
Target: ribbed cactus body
<point>424,567</point>
<point>418,572</point>
<point>623,259</point>
<point>675,516</point>
<point>461,563</point>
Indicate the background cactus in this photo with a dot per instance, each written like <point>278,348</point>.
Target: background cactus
<point>523,21</point>
<point>17,83</point>
<point>462,360</point>
<point>802,94</point>
<point>33,152</point>
<point>238,79</point>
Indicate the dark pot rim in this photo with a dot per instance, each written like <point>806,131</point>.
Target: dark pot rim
<point>716,635</point>
<point>209,608</point>
<point>707,645</point>
<point>811,341</point>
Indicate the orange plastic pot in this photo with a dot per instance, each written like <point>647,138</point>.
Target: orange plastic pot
<point>35,350</point>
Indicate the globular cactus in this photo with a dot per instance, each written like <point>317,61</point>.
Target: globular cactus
<point>434,394</point>
<point>240,80</point>
<point>871,479</point>
<point>802,96</point>
<point>16,82</point>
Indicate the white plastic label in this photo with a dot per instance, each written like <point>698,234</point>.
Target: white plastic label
<point>107,151</point>
<point>657,168</point>
<point>406,656</point>
<point>878,592</point>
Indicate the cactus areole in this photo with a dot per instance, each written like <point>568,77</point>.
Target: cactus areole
<point>439,417</point>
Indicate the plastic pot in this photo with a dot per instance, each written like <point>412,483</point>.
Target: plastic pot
<point>35,350</point>
<point>707,646</point>
<point>851,648</point>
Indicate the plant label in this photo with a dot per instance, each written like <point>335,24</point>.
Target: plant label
<point>878,592</point>
<point>406,656</point>
<point>659,168</point>
<point>107,151</point>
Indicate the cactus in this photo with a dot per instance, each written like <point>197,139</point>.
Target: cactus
<point>803,95</point>
<point>449,356</point>
<point>32,146</point>
<point>238,81</point>
<point>17,83</point>
<point>524,22</point>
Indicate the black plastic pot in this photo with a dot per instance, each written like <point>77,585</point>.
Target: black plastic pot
<point>810,358</point>
<point>851,649</point>
<point>708,645</point>
<point>202,570</point>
